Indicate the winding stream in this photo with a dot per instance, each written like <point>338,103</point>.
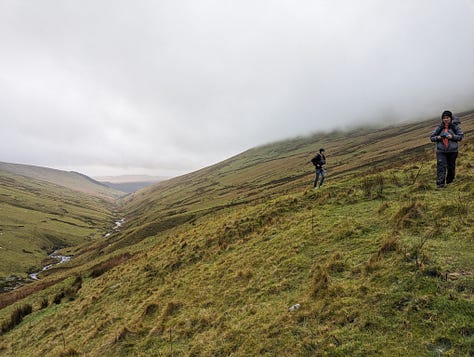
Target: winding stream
<point>118,224</point>
<point>15,282</point>
<point>59,259</point>
<point>65,258</point>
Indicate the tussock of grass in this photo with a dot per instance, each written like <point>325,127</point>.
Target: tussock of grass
<point>336,263</point>
<point>373,186</point>
<point>320,281</point>
<point>16,317</point>
<point>389,244</point>
<point>71,352</point>
<point>408,215</point>
<point>122,334</point>
<point>112,262</point>
<point>44,303</point>
<point>150,309</point>
<point>372,264</point>
<point>69,293</point>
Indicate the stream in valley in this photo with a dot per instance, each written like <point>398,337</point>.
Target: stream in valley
<point>13,282</point>
<point>59,259</point>
<point>65,258</point>
<point>117,226</point>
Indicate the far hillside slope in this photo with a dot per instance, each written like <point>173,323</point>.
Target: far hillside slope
<point>37,217</point>
<point>73,180</point>
<point>268,171</point>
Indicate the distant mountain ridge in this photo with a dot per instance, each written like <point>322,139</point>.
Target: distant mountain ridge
<point>128,187</point>
<point>129,178</point>
<point>129,183</point>
<point>70,179</point>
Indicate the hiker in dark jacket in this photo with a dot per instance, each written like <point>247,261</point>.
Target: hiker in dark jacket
<point>446,136</point>
<point>319,161</point>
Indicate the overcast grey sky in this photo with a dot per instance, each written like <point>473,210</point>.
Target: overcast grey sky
<point>166,87</point>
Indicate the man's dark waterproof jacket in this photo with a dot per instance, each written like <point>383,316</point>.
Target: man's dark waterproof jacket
<point>457,135</point>
<point>319,160</point>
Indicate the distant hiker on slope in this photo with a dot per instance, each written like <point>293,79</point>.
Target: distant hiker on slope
<point>319,161</point>
<point>446,136</point>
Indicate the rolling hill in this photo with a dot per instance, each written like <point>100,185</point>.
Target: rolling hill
<point>37,217</point>
<point>72,180</point>
<point>244,258</point>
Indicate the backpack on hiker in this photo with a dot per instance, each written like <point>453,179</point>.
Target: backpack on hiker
<point>319,160</point>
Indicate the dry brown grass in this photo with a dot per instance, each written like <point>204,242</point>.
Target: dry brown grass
<point>319,280</point>
<point>101,268</point>
<point>16,317</point>
<point>27,290</point>
<point>408,214</point>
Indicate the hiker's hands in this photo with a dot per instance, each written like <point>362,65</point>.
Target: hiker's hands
<point>448,136</point>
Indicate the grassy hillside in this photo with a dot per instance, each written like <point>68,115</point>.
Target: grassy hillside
<point>72,180</point>
<point>210,263</point>
<point>37,217</point>
<point>271,170</point>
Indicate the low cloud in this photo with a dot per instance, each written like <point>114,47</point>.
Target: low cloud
<point>168,87</point>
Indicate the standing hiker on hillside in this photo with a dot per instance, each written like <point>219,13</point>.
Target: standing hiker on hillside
<point>319,161</point>
<point>446,136</point>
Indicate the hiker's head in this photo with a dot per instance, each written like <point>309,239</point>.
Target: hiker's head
<point>321,150</point>
<point>447,116</point>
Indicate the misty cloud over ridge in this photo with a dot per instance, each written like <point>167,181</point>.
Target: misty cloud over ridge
<point>171,86</point>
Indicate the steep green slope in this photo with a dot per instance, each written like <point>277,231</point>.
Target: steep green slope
<point>72,180</point>
<point>267,172</point>
<point>379,261</point>
<point>37,217</point>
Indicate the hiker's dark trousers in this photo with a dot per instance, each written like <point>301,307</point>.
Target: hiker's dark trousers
<point>445,167</point>
<point>319,172</point>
